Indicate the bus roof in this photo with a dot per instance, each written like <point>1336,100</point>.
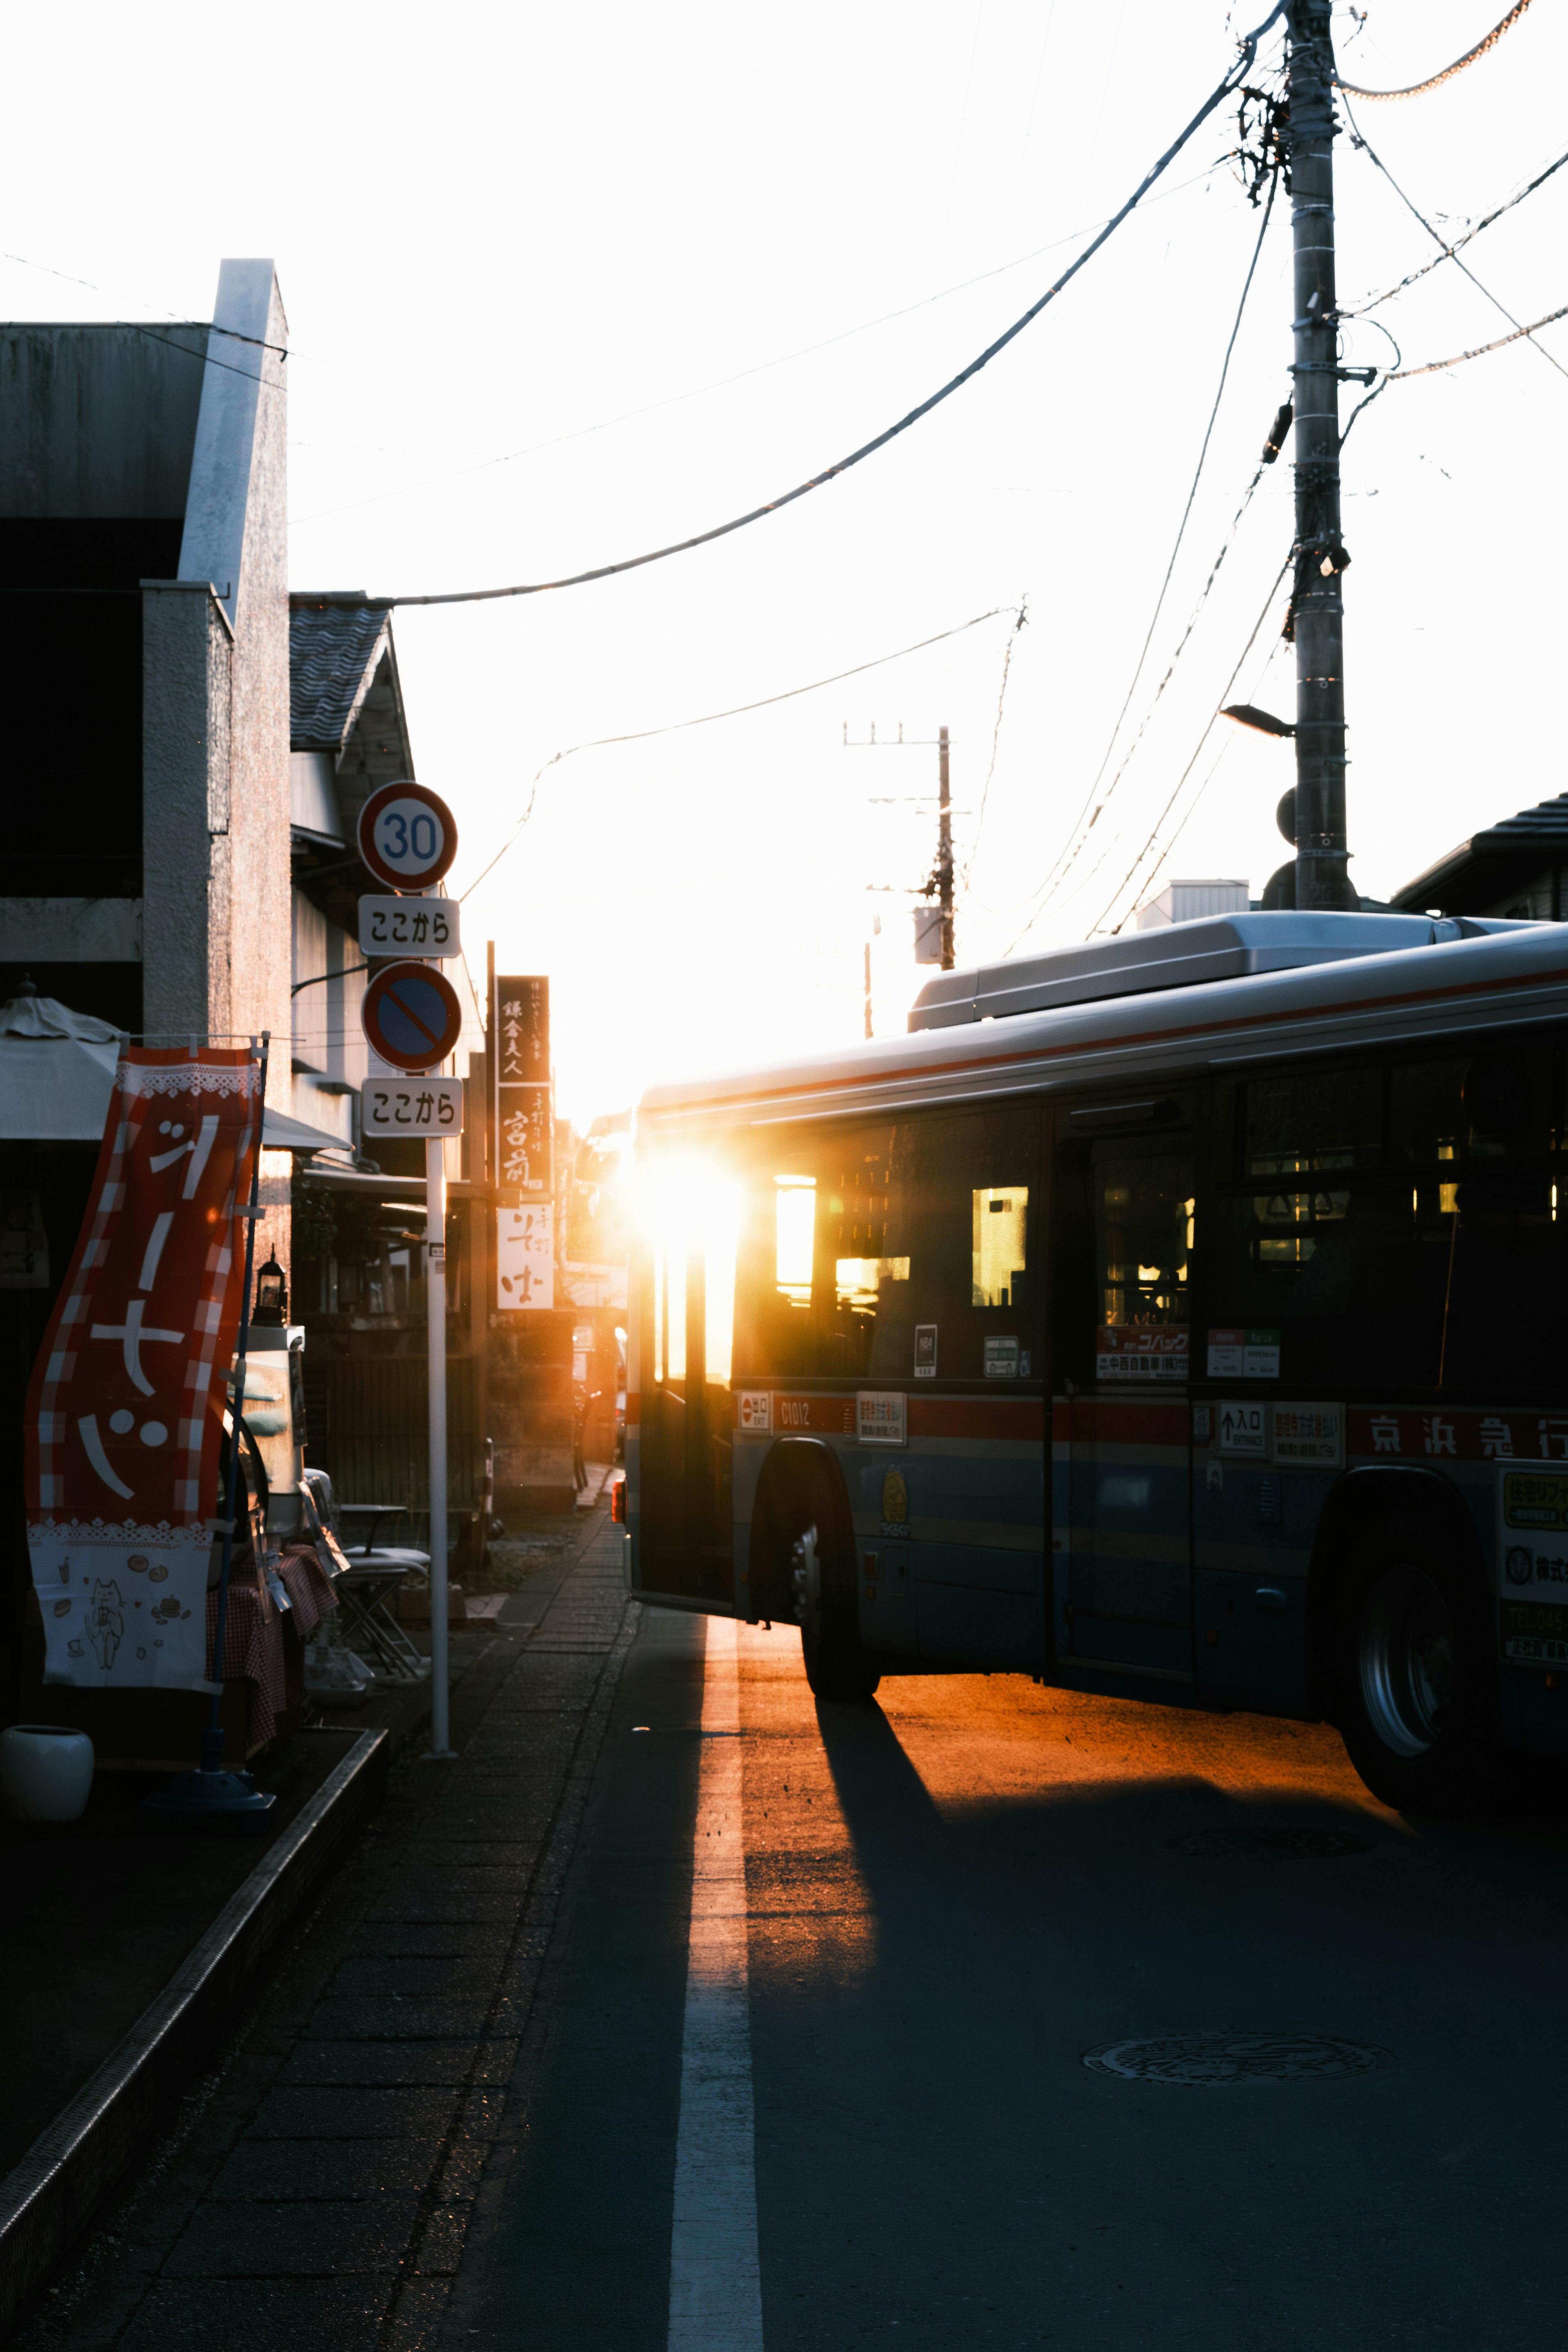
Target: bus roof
<point>1442,976</point>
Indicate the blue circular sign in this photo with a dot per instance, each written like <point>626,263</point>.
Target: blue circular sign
<point>411,1016</point>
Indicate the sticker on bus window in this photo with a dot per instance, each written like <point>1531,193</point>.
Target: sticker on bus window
<point>1244,1355</point>
<point>1000,1357</point>
<point>1244,1429</point>
<point>1309,1432</point>
<point>925,1351</point>
<point>1134,1351</point>
<point>879,1416</point>
<point>755,1410</point>
<point>1532,1566</point>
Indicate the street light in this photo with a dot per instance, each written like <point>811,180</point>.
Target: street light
<point>1262,722</point>
<point>271,1308</point>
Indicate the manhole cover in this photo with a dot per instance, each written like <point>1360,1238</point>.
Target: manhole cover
<point>1279,1844</point>
<point>1235,2058</point>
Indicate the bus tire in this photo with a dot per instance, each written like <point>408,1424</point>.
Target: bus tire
<point>1416,1676</point>
<point>821,1579</point>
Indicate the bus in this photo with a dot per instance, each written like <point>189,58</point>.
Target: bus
<point>1179,1316</point>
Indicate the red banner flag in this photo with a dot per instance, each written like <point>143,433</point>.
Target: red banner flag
<point>126,1403</point>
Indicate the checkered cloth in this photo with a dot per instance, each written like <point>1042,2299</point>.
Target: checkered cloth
<point>308,1587</point>
<point>252,1652</point>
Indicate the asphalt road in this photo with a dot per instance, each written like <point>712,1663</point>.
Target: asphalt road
<point>838,2095</point>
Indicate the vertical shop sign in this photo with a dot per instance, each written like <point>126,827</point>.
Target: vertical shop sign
<point>125,1407</point>
<point>519,1061</point>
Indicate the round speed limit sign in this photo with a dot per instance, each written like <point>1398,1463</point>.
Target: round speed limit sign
<point>406,836</point>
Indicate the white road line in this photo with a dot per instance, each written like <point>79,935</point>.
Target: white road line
<point>715,2285</point>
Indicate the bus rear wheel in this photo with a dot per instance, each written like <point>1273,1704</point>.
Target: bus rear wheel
<point>1416,1685</point>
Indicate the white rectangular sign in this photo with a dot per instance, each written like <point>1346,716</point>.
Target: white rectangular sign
<point>409,927</point>
<point>416,1107</point>
<point>880,1417</point>
<point>525,1256</point>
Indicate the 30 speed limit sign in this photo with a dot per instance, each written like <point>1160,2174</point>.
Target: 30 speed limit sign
<point>407,835</point>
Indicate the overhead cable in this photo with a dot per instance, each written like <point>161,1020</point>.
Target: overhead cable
<point>1450,250</point>
<point>1403,375</point>
<point>721,384</point>
<point>1437,239</point>
<point>1436,81</point>
<point>1192,763</point>
<point>996,744</point>
<point>1232,82</point>
<point>710,718</point>
<point>1068,852</point>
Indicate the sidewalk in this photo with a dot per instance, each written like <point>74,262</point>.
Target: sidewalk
<point>320,2178</point>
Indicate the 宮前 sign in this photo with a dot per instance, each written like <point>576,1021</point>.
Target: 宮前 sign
<point>520,1064</point>
<point>409,927</point>
<point>412,1107</point>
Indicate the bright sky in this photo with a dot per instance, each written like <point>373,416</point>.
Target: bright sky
<point>565,284</point>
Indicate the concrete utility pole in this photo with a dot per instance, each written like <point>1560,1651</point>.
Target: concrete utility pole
<point>1321,875</point>
<point>944,850</point>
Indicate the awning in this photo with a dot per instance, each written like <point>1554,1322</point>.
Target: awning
<point>58,1089</point>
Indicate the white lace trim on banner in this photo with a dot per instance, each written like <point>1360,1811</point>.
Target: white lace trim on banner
<point>188,1078</point>
<point>121,1532</point>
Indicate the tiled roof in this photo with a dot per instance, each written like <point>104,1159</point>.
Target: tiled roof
<point>333,650</point>
<point>1493,861</point>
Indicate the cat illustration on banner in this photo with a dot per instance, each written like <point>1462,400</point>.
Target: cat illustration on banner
<point>106,1622</point>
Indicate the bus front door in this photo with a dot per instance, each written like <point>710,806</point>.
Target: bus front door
<point>685,1437</point>
<point>1122,1585</point>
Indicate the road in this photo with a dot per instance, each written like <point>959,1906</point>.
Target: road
<point>831,2090</point>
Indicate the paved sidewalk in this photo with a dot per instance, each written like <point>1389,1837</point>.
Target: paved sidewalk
<point>319,2183</point>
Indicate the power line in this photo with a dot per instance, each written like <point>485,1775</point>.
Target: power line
<point>721,384</point>
<point>1203,739</point>
<point>1436,81</point>
<point>1225,90</point>
<point>1450,250</point>
<point>996,741</point>
<point>1403,375</point>
<point>710,718</point>
<point>1436,239</point>
<point>1068,852</point>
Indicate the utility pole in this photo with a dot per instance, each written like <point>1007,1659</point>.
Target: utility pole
<point>867,954</point>
<point>1322,879</point>
<point>944,850</point>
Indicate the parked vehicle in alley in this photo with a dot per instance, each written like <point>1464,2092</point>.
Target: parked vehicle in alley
<point>1176,1316</point>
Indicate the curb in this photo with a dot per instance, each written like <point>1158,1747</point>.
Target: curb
<point>50,2198</point>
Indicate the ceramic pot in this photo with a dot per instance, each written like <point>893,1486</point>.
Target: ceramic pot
<point>46,1772</point>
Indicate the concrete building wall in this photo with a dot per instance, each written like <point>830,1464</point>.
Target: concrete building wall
<point>215,885</point>
<point>99,421</point>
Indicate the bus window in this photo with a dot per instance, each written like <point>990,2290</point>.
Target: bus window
<point>1144,1231</point>
<point>1305,1121</point>
<point>1000,1214</point>
<point>720,1212</point>
<point>851,1238</point>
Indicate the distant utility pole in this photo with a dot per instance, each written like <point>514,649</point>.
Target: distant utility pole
<point>943,876</point>
<point>1323,878</point>
<point>940,885</point>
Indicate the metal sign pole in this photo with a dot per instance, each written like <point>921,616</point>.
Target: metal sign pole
<point>436,1316</point>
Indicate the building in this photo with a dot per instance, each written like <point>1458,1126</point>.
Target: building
<point>1516,867</point>
<point>144,665</point>
<point>144,657</point>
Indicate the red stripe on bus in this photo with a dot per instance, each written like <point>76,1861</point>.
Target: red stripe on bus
<point>977,1417</point>
<point>1121,1421</point>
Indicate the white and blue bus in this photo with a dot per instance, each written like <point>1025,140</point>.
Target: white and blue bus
<point>1181,1317</point>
